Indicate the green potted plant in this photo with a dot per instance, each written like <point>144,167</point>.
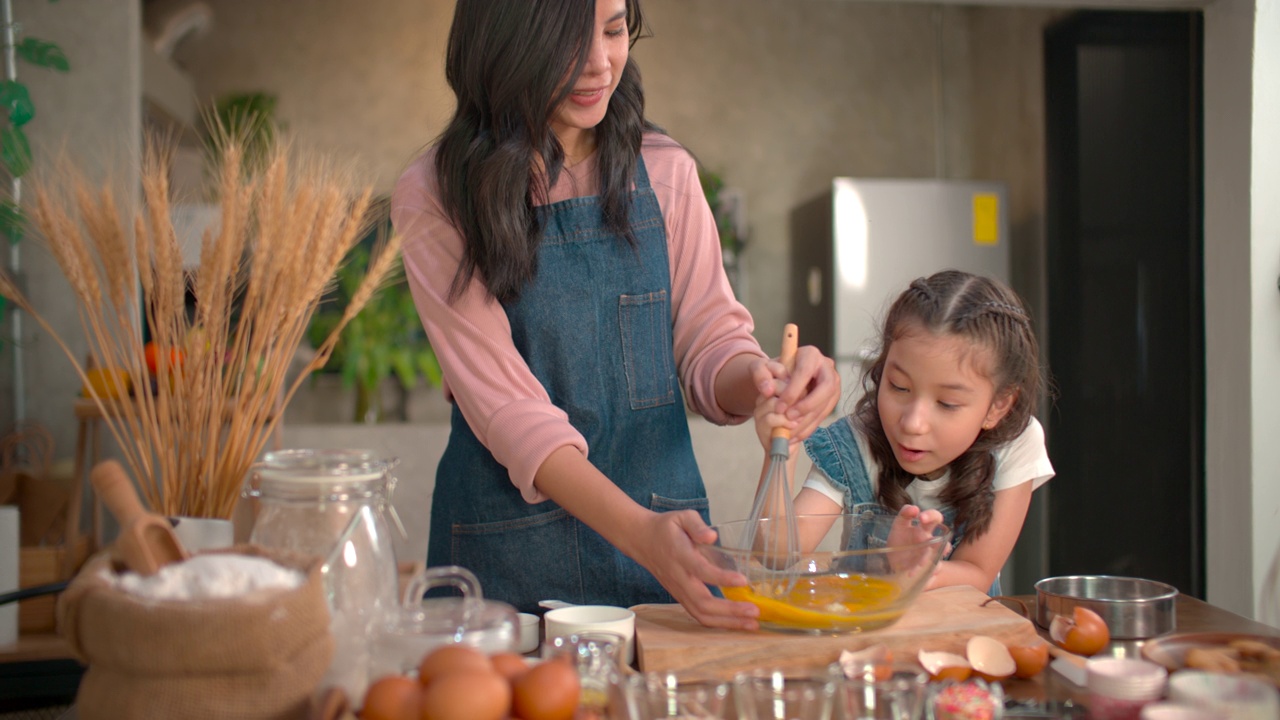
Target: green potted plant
<point>16,110</point>
<point>249,116</point>
<point>724,210</point>
<point>385,340</point>
<point>712,186</point>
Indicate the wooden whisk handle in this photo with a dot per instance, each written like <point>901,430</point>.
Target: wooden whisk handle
<point>790,344</point>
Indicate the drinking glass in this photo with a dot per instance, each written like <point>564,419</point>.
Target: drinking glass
<point>663,696</point>
<point>597,656</point>
<point>780,695</point>
<point>900,696</point>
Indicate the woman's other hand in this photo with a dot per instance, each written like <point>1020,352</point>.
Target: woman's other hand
<point>670,552</point>
<point>664,543</point>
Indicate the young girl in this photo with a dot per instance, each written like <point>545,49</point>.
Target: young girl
<point>945,430</point>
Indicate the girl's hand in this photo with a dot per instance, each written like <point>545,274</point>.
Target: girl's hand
<point>767,418</point>
<point>912,526</point>
<point>907,532</point>
<point>807,395</point>
<point>670,553</point>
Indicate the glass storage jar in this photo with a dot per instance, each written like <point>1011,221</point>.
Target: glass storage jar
<point>335,504</point>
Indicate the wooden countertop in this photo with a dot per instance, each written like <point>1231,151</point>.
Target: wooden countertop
<point>44,646</point>
<point>1192,616</point>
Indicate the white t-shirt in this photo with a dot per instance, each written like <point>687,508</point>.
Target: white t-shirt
<point>1025,459</point>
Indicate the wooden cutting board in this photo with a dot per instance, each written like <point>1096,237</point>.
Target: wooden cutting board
<point>669,639</point>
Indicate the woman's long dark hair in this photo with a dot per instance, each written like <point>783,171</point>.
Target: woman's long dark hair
<point>991,316</point>
<point>507,61</point>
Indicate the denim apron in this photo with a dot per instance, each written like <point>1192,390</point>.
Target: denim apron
<point>834,450</point>
<point>595,328</point>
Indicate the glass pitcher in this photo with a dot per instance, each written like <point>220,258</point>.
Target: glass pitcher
<point>335,504</point>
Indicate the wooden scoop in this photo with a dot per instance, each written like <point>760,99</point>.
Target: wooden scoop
<point>147,541</point>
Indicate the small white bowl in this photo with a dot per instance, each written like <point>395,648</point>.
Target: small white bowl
<point>1126,678</point>
<point>1175,711</point>
<point>1236,696</point>
<point>530,633</point>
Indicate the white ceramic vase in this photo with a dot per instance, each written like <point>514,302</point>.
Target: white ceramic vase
<point>200,534</point>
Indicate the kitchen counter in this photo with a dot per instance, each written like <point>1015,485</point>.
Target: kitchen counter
<point>46,656</point>
<point>1193,616</point>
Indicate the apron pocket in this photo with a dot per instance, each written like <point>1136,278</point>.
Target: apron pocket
<point>522,560</point>
<point>658,503</point>
<point>647,355</point>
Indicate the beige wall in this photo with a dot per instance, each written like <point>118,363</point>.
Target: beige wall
<point>778,97</point>
<point>1265,327</point>
<point>360,81</point>
<point>93,115</point>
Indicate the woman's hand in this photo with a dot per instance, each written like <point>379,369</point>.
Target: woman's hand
<point>665,544</point>
<point>670,552</point>
<point>806,395</point>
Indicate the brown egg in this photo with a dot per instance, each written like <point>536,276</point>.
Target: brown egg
<point>509,665</point>
<point>466,695</point>
<point>1084,633</point>
<point>451,658</point>
<point>394,697</point>
<point>1030,659</point>
<point>549,691</point>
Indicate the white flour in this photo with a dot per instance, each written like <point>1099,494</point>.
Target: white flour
<point>211,576</point>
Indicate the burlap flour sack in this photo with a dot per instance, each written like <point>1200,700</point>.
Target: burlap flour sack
<point>259,657</point>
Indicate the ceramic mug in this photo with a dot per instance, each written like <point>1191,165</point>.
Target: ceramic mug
<point>578,619</point>
<point>530,633</point>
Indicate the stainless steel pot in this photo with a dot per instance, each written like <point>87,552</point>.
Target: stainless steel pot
<point>1133,608</point>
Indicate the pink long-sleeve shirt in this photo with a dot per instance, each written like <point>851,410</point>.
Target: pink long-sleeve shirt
<point>505,405</point>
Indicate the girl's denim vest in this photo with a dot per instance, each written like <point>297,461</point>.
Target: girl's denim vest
<point>834,450</point>
<point>595,327</point>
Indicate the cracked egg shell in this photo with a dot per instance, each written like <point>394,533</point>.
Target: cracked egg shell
<point>873,663</point>
<point>990,658</point>
<point>945,666</point>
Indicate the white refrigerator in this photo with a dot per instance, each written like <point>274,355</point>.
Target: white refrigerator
<point>861,242</point>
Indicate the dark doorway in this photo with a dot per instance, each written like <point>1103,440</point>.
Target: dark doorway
<point>1125,287</point>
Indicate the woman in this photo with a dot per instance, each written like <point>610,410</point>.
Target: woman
<point>566,268</point>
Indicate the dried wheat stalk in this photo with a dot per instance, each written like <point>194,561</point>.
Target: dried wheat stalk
<point>282,236</point>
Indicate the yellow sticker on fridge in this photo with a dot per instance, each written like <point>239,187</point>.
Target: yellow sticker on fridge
<point>986,219</point>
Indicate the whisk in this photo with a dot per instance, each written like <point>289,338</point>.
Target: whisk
<point>771,527</point>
